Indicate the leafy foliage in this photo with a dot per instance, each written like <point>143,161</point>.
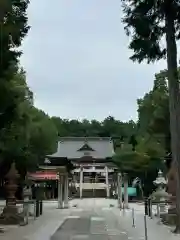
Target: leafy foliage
<point>145,21</point>
<point>153,110</point>
<point>109,127</point>
<point>30,136</point>
<point>13,28</point>
<point>146,150</point>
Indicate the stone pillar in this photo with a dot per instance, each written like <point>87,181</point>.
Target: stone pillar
<point>81,181</point>
<point>119,184</point>
<point>66,192</point>
<point>60,192</point>
<point>126,204</point>
<point>26,206</point>
<point>107,182</point>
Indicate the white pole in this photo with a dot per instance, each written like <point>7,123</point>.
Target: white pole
<point>66,191</point>
<point>60,191</point>
<point>126,200</point>
<point>81,181</point>
<point>133,219</point>
<point>145,228</point>
<point>107,182</point>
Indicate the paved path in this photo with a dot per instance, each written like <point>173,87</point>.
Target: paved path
<point>90,219</point>
<point>40,229</point>
<point>92,224</point>
<point>96,219</point>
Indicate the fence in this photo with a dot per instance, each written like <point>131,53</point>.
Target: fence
<point>152,209</point>
<point>156,208</point>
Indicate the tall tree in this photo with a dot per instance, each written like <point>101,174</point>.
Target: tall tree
<point>13,24</point>
<point>147,21</point>
<point>30,136</point>
<point>13,28</point>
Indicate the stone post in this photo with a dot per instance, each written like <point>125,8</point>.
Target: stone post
<point>119,184</point>
<point>107,182</point>
<point>126,199</point>
<point>26,195</point>
<point>66,192</point>
<point>81,181</point>
<point>60,191</point>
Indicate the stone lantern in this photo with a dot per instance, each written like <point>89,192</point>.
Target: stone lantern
<point>160,194</point>
<point>10,213</point>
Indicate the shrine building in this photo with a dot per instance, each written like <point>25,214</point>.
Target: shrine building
<point>84,162</point>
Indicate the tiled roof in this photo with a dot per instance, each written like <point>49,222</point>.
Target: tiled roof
<point>68,147</point>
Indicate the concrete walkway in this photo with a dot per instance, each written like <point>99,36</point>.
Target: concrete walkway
<point>40,229</point>
<point>91,219</point>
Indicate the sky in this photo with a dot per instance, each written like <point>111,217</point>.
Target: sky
<point>77,60</point>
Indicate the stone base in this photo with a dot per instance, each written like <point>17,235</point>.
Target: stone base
<point>10,216</point>
<point>126,206</point>
<point>172,210</point>
<point>11,219</point>
<point>66,206</point>
<point>169,219</point>
<point>60,207</point>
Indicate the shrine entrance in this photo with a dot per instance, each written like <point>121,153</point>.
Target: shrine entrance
<point>94,179</point>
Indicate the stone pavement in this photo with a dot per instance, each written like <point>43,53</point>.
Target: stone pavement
<point>40,229</point>
<point>155,229</point>
<point>92,219</point>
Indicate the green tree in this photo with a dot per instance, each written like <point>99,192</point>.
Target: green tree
<point>13,28</point>
<point>153,111</point>
<point>30,136</point>
<point>109,127</point>
<point>144,162</point>
<point>148,22</point>
<point>14,135</point>
<point>43,135</point>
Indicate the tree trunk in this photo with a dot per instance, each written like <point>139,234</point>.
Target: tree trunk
<point>174,102</point>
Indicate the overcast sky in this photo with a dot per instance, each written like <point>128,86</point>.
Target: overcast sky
<point>76,58</point>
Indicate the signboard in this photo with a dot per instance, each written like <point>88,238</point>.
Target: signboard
<point>132,192</point>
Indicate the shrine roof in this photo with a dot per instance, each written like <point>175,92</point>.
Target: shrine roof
<point>78,147</point>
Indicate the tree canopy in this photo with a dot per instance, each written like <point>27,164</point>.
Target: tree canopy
<point>144,154</point>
